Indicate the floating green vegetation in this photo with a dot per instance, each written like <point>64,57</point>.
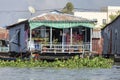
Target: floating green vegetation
<point>97,62</point>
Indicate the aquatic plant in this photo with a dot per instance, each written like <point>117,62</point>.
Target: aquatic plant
<point>76,62</point>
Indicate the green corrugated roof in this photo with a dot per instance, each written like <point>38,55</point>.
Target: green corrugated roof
<point>60,24</point>
<point>60,21</point>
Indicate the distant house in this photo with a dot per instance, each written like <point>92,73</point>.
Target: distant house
<point>101,16</point>
<point>111,38</point>
<point>4,40</point>
<point>59,33</point>
<point>4,34</point>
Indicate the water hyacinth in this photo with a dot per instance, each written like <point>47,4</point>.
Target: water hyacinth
<point>76,62</point>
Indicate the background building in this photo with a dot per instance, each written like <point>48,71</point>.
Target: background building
<point>102,16</point>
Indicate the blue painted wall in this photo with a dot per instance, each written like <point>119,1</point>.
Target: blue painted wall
<point>22,38</point>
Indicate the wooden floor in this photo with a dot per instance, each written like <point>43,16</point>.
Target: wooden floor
<point>42,56</point>
<point>4,54</point>
<point>53,56</point>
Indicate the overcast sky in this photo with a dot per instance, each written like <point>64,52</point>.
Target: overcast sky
<point>10,10</point>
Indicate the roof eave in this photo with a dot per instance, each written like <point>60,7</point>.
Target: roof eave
<point>10,26</point>
<point>111,22</point>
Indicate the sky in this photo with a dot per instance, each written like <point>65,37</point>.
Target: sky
<point>12,10</point>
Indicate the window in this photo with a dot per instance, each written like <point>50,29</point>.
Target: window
<point>104,21</point>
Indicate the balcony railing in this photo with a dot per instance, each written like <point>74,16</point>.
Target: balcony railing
<point>63,48</point>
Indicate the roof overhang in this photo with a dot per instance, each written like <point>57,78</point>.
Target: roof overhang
<point>61,24</point>
<point>18,23</point>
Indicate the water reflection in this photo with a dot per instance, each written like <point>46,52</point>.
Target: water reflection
<point>59,74</point>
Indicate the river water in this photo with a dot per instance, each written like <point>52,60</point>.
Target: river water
<point>9,73</point>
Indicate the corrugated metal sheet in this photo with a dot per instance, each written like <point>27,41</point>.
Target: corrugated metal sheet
<point>59,20</point>
<point>57,17</point>
<point>96,34</point>
<point>111,35</point>
<point>97,45</point>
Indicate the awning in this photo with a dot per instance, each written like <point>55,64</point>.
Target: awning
<point>60,24</point>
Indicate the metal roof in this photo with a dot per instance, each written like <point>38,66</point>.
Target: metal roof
<point>58,17</point>
<point>57,20</point>
<point>60,20</point>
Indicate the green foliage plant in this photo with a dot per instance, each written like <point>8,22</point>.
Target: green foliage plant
<point>68,8</point>
<point>75,62</point>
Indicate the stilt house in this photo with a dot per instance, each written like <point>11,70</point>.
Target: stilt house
<point>52,33</point>
<point>111,38</point>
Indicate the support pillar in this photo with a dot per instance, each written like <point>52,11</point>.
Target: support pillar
<point>29,43</point>
<point>91,32</point>
<point>71,36</point>
<point>51,37</point>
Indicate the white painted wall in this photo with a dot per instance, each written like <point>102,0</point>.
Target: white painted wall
<point>112,10</point>
<point>99,16</point>
<point>104,14</point>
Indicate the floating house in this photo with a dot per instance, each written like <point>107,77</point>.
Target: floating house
<point>111,38</point>
<point>52,33</point>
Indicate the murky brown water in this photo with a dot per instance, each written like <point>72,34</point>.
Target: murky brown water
<point>59,74</point>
